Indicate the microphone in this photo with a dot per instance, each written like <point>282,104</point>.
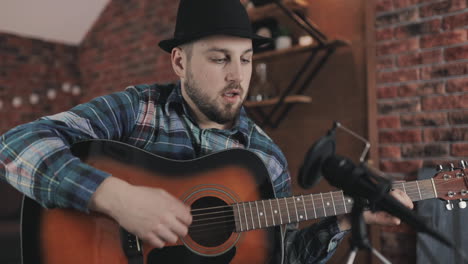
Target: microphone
<point>359,182</point>
<point>310,172</point>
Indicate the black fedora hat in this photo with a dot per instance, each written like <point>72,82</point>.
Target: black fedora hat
<point>197,19</point>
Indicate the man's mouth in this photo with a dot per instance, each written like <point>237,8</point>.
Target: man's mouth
<point>232,93</point>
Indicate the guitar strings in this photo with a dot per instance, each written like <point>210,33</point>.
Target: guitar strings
<point>230,222</point>
<point>252,215</point>
<point>289,201</point>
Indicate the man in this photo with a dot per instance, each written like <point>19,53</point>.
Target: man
<point>211,53</point>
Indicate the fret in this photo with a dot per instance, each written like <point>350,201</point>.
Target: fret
<point>295,207</point>
<point>287,210</point>
<point>239,217</point>
<point>272,215</point>
<point>258,215</point>
<point>313,204</point>
<point>419,190</point>
<point>328,204</point>
<point>279,210</point>
<point>344,203</point>
<point>323,203</point>
<point>433,186</point>
<point>305,210</point>
<point>404,188</point>
<point>333,202</point>
<point>245,213</point>
<point>251,216</point>
<point>265,212</point>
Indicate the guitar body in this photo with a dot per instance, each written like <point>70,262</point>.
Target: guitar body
<point>59,236</point>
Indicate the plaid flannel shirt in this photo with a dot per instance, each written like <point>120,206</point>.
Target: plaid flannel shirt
<point>35,157</point>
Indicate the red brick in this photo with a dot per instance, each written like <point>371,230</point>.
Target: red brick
<point>424,119</point>
<point>460,150</point>
<point>404,136</point>
<point>456,21</point>
<point>418,58</point>
<point>387,92</point>
<point>398,76</point>
<point>458,118</point>
<point>26,67</point>
<point>442,71</point>
<point>443,39</point>
<point>456,53</point>
<point>409,166</point>
<point>418,89</point>
<point>440,161</point>
<point>446,134</point>
<point>417,29</point>
<point>396,47</point>
<point>457,85</point>
<point>424,150</point>
<point>407,15</point>
<point>441,8</point>
<point>387,62</point>
<point>390,152</point>
<point>383,6</point>
<point>445,102</point>
<point>397,4</point>
<point>388,122</point>
<point>384,34</point>
<point>398,106</point>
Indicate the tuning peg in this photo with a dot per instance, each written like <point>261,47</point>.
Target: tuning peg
<point>452,167</point>
<point>449,206</point>
<point>439,168</point>
<point>462,204</point>
<point>463,164</point>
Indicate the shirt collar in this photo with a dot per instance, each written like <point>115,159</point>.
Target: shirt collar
<point>242,125</point>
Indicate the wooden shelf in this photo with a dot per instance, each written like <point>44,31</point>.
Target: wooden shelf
<point>288,100</point>
<point>272,10</point>
<point>282,52</point>
<point>296,49</point>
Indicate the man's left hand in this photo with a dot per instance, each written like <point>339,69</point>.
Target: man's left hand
<point>380,217</point>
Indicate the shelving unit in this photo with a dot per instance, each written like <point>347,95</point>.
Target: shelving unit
<point>269,102</point>
<point>319,52</point>
<point>271,10</point>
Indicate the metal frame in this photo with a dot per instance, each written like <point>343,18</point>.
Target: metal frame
<point>324,44</point>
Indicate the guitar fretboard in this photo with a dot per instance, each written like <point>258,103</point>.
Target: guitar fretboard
<point>273,212</point>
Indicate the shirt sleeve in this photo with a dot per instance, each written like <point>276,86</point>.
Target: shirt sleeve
<point>35,158</point>
<point>314,244</point>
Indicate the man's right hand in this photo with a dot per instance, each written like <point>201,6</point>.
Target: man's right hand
<point>151,214</point>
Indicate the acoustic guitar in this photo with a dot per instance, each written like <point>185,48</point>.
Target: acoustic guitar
<point>236,217</point>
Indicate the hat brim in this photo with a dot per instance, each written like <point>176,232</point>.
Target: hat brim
<point>168,44</point>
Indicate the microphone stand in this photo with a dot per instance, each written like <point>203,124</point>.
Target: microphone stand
<point>359,239</point>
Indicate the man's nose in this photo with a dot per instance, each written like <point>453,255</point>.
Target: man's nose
<point>235,73</point>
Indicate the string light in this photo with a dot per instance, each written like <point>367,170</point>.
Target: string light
<point>34,98</point>
<point>51,94</point>
<point>66,87</point>
<point>76,90</point>
<point>17,101</point>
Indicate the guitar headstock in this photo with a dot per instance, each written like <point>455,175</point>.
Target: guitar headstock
<point>452,184</point>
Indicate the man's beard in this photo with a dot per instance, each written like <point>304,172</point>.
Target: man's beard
<point>211,108</point>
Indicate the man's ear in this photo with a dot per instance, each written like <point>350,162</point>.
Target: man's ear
<point>179,61</point>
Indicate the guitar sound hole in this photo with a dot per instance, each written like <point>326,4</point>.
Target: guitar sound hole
<point>213,221</point>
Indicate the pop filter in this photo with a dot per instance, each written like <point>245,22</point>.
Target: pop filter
<point>310,172</point>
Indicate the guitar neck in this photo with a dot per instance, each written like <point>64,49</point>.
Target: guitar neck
<point>273,212</point>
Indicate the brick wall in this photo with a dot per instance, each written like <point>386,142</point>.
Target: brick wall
<point>121,48</point>
<point>422,89</point>
<point>33,67</point>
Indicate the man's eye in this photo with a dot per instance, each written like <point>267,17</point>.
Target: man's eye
<point>223,60</point>
<point>245,61</point>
